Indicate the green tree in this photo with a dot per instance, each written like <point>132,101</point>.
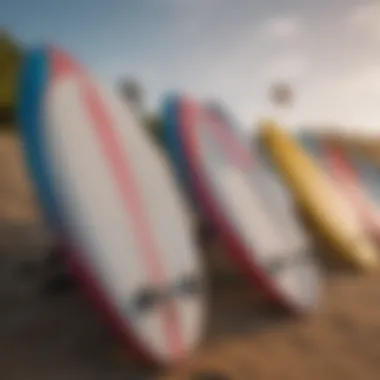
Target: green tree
<point>281,94</point>
<point>133,93</point>
<point>11,53</point>
<point>154,127</point>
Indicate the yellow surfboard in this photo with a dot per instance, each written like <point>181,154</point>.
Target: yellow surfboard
<point>322,203</point>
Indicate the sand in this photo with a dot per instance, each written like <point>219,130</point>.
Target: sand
<point>47,332</point>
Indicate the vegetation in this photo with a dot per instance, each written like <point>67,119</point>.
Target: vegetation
<point>10,61</point>
<point>11,52</point>
<point>133,93</point>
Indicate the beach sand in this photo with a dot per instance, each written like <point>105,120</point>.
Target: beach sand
<point>50,334</point>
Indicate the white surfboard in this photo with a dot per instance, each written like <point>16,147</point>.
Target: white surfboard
<point>245,205</point>
<point>110,195</point>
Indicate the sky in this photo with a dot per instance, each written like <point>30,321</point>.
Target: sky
<point>232,50</point>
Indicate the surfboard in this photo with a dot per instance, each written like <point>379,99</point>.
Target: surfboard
<point>369,173</point>
<point>220,110</point>
<point>235,192</point>
<point>110,197</point>
<point>367,177</point>
<point>337,164</point>
<point>173,144</point>
<point>309,143</point>
<point>319,198</point>
<point>172,139</point>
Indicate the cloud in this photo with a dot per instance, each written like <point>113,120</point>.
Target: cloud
<point>190,8</point>
<point>241,68</point>
<point>190,16</point>
<point>364,14</point>
<point>218,55</point>
<point>350,99</point>
<point>281,27</point>
<point>365,18</point>
<point>366,81</point>
<point>360,85</point>
<point>187,3</point>
<point>286,67</point>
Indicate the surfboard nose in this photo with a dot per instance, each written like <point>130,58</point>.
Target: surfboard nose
<point>192,316</point>
<point>189,318</point>
<point>305,298</point>
<point>367,253</point>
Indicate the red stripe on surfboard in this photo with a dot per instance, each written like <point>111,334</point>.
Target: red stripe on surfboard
<point>344,173</point>
<point>237,151</point>
<point>243,255</point>
<point>133,204</point>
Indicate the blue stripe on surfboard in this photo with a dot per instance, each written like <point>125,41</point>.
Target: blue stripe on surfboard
<point>368,173</point>
<point>33,82</point>
<point>173,143</point>
<point>311,145</point>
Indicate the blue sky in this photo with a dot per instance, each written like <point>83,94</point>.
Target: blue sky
<point>228,49</point>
